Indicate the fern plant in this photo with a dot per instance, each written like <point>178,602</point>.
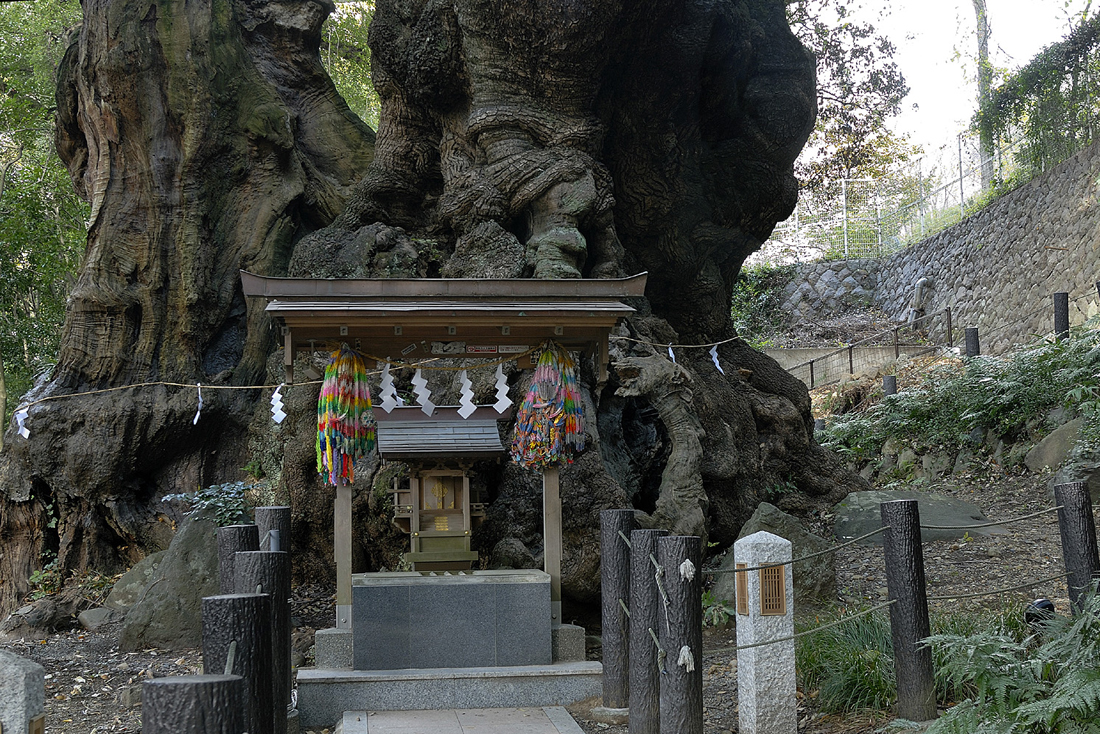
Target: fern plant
<point>1048,683</point>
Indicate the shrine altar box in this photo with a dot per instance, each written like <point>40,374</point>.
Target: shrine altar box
<point>458,620</point>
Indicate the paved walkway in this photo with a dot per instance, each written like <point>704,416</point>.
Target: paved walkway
<point>547,720</point>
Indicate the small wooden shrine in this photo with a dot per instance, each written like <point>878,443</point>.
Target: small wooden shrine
<point>408,322</point>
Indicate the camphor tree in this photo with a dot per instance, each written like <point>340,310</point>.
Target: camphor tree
<point>576,140</point>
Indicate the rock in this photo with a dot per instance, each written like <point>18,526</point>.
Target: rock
<point>936,463</point>
<point>1053,450</point>
<point>859,514</point>
<point>512,553</point>
<point>814,580</point>
<point>37,619</point>
<point>170,616</point>
<point>128,589</point>
<point>907,459</point>
<point>22,692</point>
<point>96,617</point>
<point>962,461</point>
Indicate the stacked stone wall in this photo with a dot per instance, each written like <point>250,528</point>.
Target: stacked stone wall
<point>996,270</point>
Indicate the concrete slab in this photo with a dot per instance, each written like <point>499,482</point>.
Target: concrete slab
<point>540,720</point>
<point>324,695</point>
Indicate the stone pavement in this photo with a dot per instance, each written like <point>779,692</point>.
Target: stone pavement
<point>546,720</point>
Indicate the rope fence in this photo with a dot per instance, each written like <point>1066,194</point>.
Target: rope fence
<point>670,583</point>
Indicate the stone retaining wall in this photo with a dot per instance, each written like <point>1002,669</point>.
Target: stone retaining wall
<point>996,270</point>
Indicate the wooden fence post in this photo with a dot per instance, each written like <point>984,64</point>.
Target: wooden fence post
<point>973,346</point>
<point>269,572</point>
<point>904,560</point>
<point>233,539</point>
<point>680,558</point>
<point>270,518</point>
<point>212,704</point>
<point>1078,531</point>
<point>614,594</point>
<point>244,619</point>
<point>645,677</point>
<point>1061,315</point>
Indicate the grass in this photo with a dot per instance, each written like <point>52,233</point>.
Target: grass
<point>851,667</point>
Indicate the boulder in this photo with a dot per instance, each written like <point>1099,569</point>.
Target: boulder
<point>96,617</point>
<point>128,590</point>
<point>859,513</point>
<point>170,614</point>
<point>814,580</point>
<point>512,553</point>
<point>1053,450</point>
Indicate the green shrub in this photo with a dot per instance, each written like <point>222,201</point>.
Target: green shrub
<point>756,302</point>
<point>225,503</point>
<point>1031,685</point>
<point>851,666</point>
<point>1004,395</point>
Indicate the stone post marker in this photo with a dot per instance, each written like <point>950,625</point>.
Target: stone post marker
<point>22,694</point>
<point>765,611</point>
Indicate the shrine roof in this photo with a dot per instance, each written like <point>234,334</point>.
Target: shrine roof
<point>408,432</point>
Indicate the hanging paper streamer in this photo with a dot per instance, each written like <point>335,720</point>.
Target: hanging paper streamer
<point>550,422</point>
<point>671,355</point>
<point>345,421</point>
<point>20,418</point>
<point>467,398</point>
<point>714,356</point>
<point>423,394</point>
<point>277,413</point>
<point>199,411</point>
<point>387,393</point>
<point>502,402</point>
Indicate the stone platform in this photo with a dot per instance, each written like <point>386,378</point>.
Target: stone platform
<point>547,720</point>
<point>325,694</point>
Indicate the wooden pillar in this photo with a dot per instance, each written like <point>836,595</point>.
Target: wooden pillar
<point>615,594</point>
<point>342,548</point>
<point>213,704</point>
<point>268,572</point>
<point>645,680</point>
<point>1061,315</point>
<point>231,540</point>
<point>681,634</point>
<point>288,356</point>
<point>244,619</point>
<point>904,560</point>
<point>551,538</point>
<point>1078,531</point>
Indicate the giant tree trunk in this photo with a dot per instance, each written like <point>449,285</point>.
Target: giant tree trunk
<point>207,138</point>
<point>583,139</point>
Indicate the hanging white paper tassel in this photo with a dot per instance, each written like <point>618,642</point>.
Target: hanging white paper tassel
<point>714,356</point>
<point>20,418</point>
<point>199,411</point>
<point>686,661</point>
<point>387,392</point>
<point>502,402</point>
<point>671,355</point>
<point>687,570</point>
<point>423,394</point>
<point>467,398</point>
<point>277,413</point>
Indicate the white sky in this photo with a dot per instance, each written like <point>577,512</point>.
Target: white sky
<point>937,48</point>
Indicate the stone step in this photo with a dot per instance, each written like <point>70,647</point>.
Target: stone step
<point>325,694</point>
<point>543,720</point>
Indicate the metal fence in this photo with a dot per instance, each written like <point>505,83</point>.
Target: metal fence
<point>858,218</point>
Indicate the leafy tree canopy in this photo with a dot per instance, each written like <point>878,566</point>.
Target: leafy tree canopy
<point>859,88</point>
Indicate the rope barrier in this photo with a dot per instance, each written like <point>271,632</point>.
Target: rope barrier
<point>623,605</point>
<point>853,541</point>
<point>795,636</point>
<point>425,365</point>
<point>1028,585</point>
<point>661,654</point>
<point>992,524</point>
<point>674,346</point>
<point>625,539</point>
